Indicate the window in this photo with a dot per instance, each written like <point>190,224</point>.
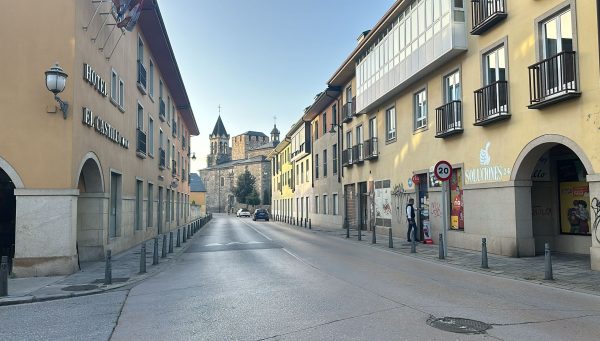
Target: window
<point>373,127</point>
<point>316,166</point>
<point>324,123</point>
<point>140,50</point>
<point>317,204</point>
<point>335,158</point>
<point>307,174</point>
<point>316,130</point>
<point>325,162</point>
<point>168,204</point>
<point>168,158</point>
<point>494,66</point>
<point>140,117</point>
<point>359,134</point>
<point>335,204</point>
<point>492,99</point>
<point>302,173</point>
<point>151,80</point>
<point>150,212</point>
<point>297,175</point>
<point>121,94</point>
<point>334,115</point>
<point>169,110</point>
<point>390,123</point>
<point>452,91</point>
<point>325,206</point>
<point>160,89</point>
<point>420,103</point>
<point>139,195</point>
<point>557,34</point>
<point>348,139</point>
<point>150,136</point>
<point>114,87</point>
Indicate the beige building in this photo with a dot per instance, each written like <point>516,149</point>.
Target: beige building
<point>111,173</point>
<point>301,160</point>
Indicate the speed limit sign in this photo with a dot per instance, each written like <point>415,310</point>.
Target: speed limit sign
<point>443,170</point>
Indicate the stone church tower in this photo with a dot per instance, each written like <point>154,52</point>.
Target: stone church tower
<point>220,152</point>
<point>275,135</point>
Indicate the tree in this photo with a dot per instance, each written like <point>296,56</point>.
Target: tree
<point>245,187</point>
<point>253,198</point>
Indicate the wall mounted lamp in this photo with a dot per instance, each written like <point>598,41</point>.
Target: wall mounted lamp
<point>194,156</point>
<point>56,80</point>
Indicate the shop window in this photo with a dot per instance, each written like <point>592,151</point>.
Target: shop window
<point>383,203</point>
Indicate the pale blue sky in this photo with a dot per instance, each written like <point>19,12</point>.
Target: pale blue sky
<point>260,58</point>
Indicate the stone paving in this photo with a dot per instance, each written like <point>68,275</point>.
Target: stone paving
<point>571,271</point>
<point>90,279</point>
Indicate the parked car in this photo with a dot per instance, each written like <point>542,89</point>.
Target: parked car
<point>242,212</point>
<point>260,213</point>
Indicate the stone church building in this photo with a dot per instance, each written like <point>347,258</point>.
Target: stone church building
<point>225,163</point>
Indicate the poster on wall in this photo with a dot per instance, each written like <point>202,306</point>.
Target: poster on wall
<point>383,203</point>
<point>574,208</point>
<point>457,221</point>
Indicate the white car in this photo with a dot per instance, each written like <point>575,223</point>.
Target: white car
<point>242,212</point>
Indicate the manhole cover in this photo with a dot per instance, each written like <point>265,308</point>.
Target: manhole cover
<point>83,287</point>
<point>458,325</point>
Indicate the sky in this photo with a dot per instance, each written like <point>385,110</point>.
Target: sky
<point>258,59</point>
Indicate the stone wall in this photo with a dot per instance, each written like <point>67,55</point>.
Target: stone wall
<point>242,144</point>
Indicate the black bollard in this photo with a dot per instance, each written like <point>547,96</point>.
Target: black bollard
<point>359,230</point>
<point>391,240</point>
<point>155,253</point>
<point>171,242</point>
<point>347,229</point>
<point>441,253</point>
<point>108,269</point>
<point>183,235</point>
<point>164,248</point>
<point>484,259</point>
<point>178,237</point>
<point>547,263</point>
<point>143,259</point>
<point>413,242</point>
<point>374,238</point>
<point>4,276</point>
<point>310,224</point>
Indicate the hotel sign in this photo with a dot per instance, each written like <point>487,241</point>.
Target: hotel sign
<point>94,79</point>
<point>104,128</point>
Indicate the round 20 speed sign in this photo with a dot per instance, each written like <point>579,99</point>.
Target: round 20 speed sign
<point>443,170</point>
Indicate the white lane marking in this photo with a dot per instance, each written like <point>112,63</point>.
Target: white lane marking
<point>257,231</point>
<point>234,243</point>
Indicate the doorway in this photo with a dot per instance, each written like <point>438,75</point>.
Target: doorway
<point>90,222</point>
<point>424,232</point>
<point>8,208</point>
<point>115,207</point>
<point>363,207</point>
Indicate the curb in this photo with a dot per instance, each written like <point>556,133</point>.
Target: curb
<point>161,267</point>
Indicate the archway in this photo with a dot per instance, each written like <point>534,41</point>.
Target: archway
<point>8,209</point>
<point>91,207</point>
<point>554,170</point>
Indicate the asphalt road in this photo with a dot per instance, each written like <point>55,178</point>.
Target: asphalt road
<point>245,280</point>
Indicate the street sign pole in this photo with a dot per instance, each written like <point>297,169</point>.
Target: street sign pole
<point>445,215</point>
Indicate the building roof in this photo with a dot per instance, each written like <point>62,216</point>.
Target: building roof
<point>219,129</point>
<point>254,133</point>
<point>153,28</point>
<point>275,130</point>
<point>196,183</point>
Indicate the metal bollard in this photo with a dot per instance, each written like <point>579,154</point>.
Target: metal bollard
<point>155,253</point>
<point>347,228</point>
<point>190,233</point>
<point>178,237</point>
<point>547,263</point>
<point>143,258</point>
<point>183,235</point>
<point>413,242</point>
<point>358,229</point>
<point>4,276</point>
<point>391,240</point>
<point>310,224</point>
<point>164,248</point>
<point>441,253</point>
<point>484,259</point>
<point>374,238</point>
<point>108,269</point>
<point>171,242</point>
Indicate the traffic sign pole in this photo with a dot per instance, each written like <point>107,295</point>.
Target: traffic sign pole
<point>443,172</point>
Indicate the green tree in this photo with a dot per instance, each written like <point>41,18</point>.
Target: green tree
<point>253,198</point>
<point>244,187</point>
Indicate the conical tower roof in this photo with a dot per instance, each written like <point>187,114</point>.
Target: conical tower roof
<point>275,130</point>
<point>219,129</point>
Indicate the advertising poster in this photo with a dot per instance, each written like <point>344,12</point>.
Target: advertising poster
<point>383,202</point>
<point>574,208</point>
<point>457,221</point>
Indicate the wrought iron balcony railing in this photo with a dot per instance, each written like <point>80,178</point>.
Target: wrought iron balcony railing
<point>486,13</point>
<point>449,119</point>
<point>553,80</point>
<point>174,168</point>
<point>347,157</point>
<point>161,158</point>
<point>371,150</point>
<point>491,103</point>
<point>141,74</point>
<point>358,153</point>
<point>161,109</point>
<point>141,142</point>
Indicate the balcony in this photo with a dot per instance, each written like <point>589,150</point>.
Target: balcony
<point>174,168</point>
<point>161,159</point>
<point>141,144</point>
<point>161,110</point>
<point>486,13</point>
<point>174,128</point>
<point>491,103</point>
<point>358,153</point>
<point>349,110</point>
<point>347,157</point>
<point>141,77</point>
<point>371,150</point>
<point>449,119</point>
<point>553,80</point>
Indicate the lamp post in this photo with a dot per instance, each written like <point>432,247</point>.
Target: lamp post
<point>56,81</point>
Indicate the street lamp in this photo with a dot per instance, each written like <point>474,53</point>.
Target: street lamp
<point>56,81</point>
<point>194,156</point>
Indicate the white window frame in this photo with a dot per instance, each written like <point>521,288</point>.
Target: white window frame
<point>121,94</point>
<point>150,137</point>
<point>335,204</point>
<point>420,109</point>
<point>390,123</point>
<point>114,87</point>
<point>151,80</point>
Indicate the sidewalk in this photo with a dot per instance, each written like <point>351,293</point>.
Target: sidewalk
<point>571,271</point>
<point>90,279</point>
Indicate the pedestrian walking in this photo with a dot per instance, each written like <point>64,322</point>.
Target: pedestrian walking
<point>410,216</point>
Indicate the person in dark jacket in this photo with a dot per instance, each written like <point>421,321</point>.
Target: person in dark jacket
<point>410,216</point>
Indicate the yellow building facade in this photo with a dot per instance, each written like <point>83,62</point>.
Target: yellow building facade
<point>283,183</point>
<point>113,172</point>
